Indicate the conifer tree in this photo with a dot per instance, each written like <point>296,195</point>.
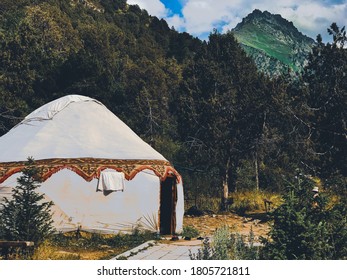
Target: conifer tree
<point>307,226</point>
<point>325,77</point>
<point>26,216</point>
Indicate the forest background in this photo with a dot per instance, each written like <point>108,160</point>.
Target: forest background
<point>202,104</point>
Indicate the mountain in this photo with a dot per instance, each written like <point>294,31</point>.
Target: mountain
<point>273,42</point>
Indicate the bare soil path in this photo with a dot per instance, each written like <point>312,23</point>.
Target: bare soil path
<point>207,224</point>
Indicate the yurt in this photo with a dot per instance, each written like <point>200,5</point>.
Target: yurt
<point>100,175</point>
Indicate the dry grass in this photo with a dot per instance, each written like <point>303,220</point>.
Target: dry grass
<point>242,202</point>
<point>253,201</point>
<point>49,251</point>
<point>88,246</point>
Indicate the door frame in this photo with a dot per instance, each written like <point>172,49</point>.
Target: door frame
<point>167,208</point>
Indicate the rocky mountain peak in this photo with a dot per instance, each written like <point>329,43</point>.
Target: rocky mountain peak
<point>273,42</point>
<point>274,23</point>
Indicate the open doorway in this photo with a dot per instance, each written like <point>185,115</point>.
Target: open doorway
<point>168,200</point>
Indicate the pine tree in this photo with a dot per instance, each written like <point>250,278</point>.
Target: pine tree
<point>307,226</point>
<point>26,216</point>
<point>325,77</point>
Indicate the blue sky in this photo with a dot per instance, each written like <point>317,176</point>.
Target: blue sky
<point>173,6</point>
<point>200,17</point>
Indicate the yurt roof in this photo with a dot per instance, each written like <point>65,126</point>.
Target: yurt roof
<point>79,133</point>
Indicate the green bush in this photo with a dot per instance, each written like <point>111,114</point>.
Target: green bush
<point>227,246</point>
<point>221,243</point>
<point>190,232</point>
<point>243,247</point>
<point>305,227</point>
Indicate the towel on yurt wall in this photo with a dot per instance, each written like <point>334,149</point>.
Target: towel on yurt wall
<point>111,181</point>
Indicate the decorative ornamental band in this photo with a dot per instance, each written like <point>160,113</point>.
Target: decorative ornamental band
<point>90,168</point>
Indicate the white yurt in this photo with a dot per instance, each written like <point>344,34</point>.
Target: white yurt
<point>99,174</point>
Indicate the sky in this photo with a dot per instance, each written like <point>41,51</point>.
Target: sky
<point>200,17</point>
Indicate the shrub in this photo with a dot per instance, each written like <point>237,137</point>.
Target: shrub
<point>226,246</point>
<point>190,232</point>
<point>218,249</point>
<point>305,227</point>
<point>205,253</point>
<point>221,243</point>
<point>243,247</point>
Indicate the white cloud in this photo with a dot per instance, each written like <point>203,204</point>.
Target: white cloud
<point>176,21</point>
<point>202,16</point>
<point>313,18</point>
<point>153,7</point>
<point>198,17</point>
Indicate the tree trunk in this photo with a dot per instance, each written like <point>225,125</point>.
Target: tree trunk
<point>225,188</point>
<point>224,202</point>
<point>256,171</point>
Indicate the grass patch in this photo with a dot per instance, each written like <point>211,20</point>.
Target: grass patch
<point>88,246</point>
<point>257,38</point>
<point>253,201</point>
<point>242,202</point>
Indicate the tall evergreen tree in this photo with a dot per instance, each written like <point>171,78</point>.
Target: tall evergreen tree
<point>26,216</point>
<point>326,103</point>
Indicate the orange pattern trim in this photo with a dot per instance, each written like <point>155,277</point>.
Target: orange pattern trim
<point>90,168</point>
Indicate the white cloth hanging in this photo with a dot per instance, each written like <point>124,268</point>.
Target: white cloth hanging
<point>111,181</point>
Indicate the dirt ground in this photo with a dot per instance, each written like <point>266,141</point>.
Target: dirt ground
<point>207,224</point>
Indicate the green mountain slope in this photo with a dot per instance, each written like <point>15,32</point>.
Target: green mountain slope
<point>273,42</point>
